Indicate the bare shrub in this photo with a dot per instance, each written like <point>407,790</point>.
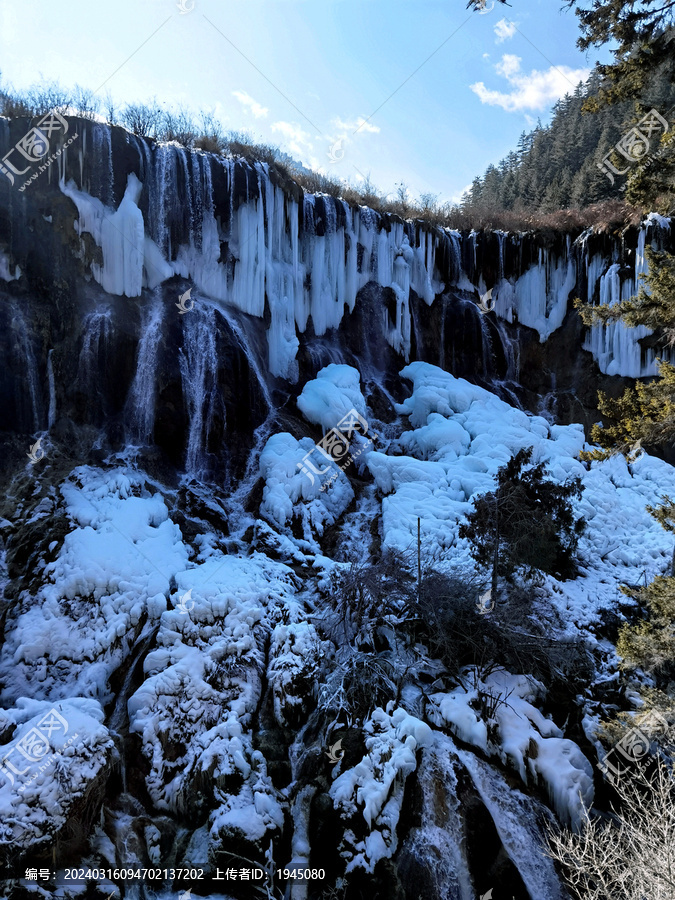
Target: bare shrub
<point>358,684</point>
<point>110,110</point>
<point>210,137</point>
<point>177,125</point>
<point>142,119</point>
<point>45,97</point>
<point>368,597</point>
<point>86,103</point>
<point>629,855</point>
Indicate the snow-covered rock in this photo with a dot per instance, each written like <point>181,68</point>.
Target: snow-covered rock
<point>52,771</point>
<point>374,787</point>
<point>496,713</point>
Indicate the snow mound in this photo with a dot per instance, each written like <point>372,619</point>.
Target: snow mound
<point>112,569</point>
<point>496,714</point>
<point>331,395</point>
<point>290,492</point>
<point>375,786</point>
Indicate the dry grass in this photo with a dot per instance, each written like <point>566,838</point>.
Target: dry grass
<point>155,122</point>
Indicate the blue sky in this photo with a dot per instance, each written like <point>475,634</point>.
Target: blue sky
<point>305,74</point>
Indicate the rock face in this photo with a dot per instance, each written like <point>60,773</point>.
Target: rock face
<point>166,566</point>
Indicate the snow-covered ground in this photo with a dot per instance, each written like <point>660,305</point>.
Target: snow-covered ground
<point>225,623</point>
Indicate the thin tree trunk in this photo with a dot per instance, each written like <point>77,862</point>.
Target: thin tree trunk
<point>495,556</point>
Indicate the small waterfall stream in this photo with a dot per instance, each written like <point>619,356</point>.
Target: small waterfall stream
<point>515,816</point>
<point>199,373</point>
<point>27,365</point>
<point>97,335</point>
<point>118,724</point>
<point>433,855</point>
<point>51,413</point>
<point>140,405</point>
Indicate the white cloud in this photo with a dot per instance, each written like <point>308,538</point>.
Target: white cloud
<point>250,105</point>
<point>457,198</point>
<point>534,91</point>
<point>508,66</point>
<point>504,31</point>
<point>359,124</point>
<point>297,140</point>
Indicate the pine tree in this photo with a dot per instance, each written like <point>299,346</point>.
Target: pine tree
<point>527,521</point>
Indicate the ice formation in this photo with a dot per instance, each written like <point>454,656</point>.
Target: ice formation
<point>517,733</point>
<point>307,259</point>
<point>69,750</point>
<point>374,787</point>
<point>84,620</point>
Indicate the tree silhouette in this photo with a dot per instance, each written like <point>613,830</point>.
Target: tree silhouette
<point>527,521</point>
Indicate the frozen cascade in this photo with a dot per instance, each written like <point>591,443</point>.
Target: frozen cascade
<point>23,350</point>
<point>51,413</point>
<point>514,815</point>
<point>539,297</point>
<point>433,855</point>
<point>130,259</point>
<point>199,372</point>
<point>268,257</point>
<point>140,404</point>
<point>614,346</point>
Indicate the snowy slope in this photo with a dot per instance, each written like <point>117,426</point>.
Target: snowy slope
<point>462,434</point>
